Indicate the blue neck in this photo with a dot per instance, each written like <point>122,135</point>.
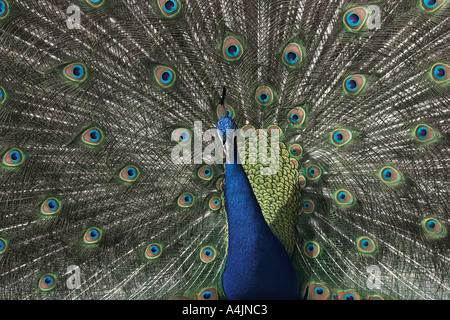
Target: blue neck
<point>258,266</point>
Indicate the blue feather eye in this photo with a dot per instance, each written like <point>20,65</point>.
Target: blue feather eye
<point>348,295</point>
<point>341,137</point>
<point>208,294</point>
<point>4,9</point>
<point>390,175</point>
<point>92,235</point>
<point>313,172</point>
<point>440,72</point>
<point>13,158</point>
<point>229,111</point>
<point>165,76</point>
<point>308,206</point>
<point>186,200</point>
<point>292,55</point>
<point>50,206</point>
<point>318,291</point>
<point>76,72</point>
<point>264,96</point>
<point>207,254</point>
<point>424,133</point>
<point>182,136</point>
<point>214,203</point>
<point>296,117</point>
<point>343,197</point>
<point>129,174</point>
<point>169,8</point>
<point>205,173</point>
<point>2,95</point>
<point>95,3</point>
<point>153,251</point>
<point>355,18</point>
<point>431,5</point>
<point>92,136</point>
<point>232,48</point>
<point>296,150</point>
<point>47,282</point>
<point>312,249</point>
<point>3,246</point>
<point>365,245</point>
<point>354,84</point>
<point>434,228</point>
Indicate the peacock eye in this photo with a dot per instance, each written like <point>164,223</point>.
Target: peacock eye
<point>348,295</point>
<point>50,206</point>
<point>3,246</point>
<point>214,203</point>
<point>308,206</point>
<point>205,173</point>
<point>153,251</point>
<point>296,117</point>
<point>169,8</point>
<point>313,172</point>
<point>165,76</point>
<point>182,136</point>
<point>47,282</point>
<point>366,245</point>
<point>431,5</point>
<point>232,49</point>
<point>274,131</point>
<point>424,133</point>
<point>92,136</point>
<point>208,294</point>
<point>13,158</point>
<point>292,55</point>
<point>312,249</point>
<point>296,150</point>
<point>354,84</point>
<point>389,175</point>
<point>2,95</point>
<point>264,96</point>
<point>207,254</point>
<point>76,72</point>
<point>440,72</point>
<point>341,137</point>
<point>4,9</point>
<point>95,3</point>
<point>302,181</point>
<point>129,174</point>
<point>354,19</point>
<point>229,112</point>
<point>343,197</point>
<point>92,235</point>
<point>433,228</point>
<point>318,292</point>
<point>186,200</point>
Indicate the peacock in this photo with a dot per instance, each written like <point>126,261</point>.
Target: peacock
<point>224,149</point>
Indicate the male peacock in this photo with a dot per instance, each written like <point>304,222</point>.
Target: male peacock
<point>97,96</point>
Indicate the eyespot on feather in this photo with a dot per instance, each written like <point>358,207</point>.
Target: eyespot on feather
<point>296,117</point>
<point>50,206</point>
<point>248,130</point>
<point>365,245</point>
<point>92,136</point>
<point>274,131</point>
<point>440,72</point>
<point>95,3</point>
<point>205,172</point>
<point>232,49</point>
<point>292,55</point>
<point>355,18</point>
<point>389,175</point>
<point>208,294</point>
<point>164,76</point>
<point>302,181</point>
<point>431,5</point>
<point>76,72</point>
<point>221,111</point>
<point>340,137</point>
<point>4,9</point>
<point>348,295</point>
<point>207,254</point>
<point>296,150</point>
<point>3,246</point>
<point>13,158</point>
<point>424,133</point>
<point>2,95</point>
<point>318,291</point>
<point>343,197</point>
<point>313,172</point>
<point>308,206</point>
<point>92,235</point>
<point>375,298</point>
<point>182,136</point>
<point>354,84</point>
<point>47,282</point>
<point>186,200</point>
<point>215,203</point>
<point>129,173</point>
<point>433,228</point>
<point>153,251</point>
<point>312,249</point>
<point>264,96</point>
<point>169,8</point>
